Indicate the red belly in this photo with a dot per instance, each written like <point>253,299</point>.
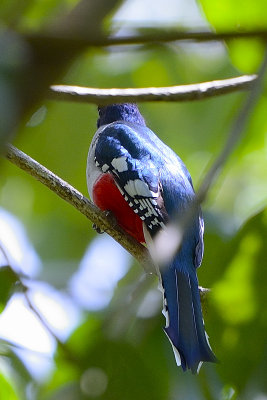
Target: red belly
<point>107,196</point>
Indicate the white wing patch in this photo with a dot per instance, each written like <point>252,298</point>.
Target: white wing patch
<point>142,188</point>
<point>130,188</point>
<point>105,168</point>
<point>120,164</point>
<point>137,187</point>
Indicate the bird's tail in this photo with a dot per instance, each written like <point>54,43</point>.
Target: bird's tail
<point>184,322</point>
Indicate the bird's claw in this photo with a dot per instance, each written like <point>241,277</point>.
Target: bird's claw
<point>97,229</point>
<point>111,217</point>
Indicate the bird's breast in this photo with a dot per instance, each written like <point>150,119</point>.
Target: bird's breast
<point>107,197</point>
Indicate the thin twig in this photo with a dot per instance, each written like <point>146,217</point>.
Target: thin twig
<point>4,253</point>
<point>163,35</point>
<point>63,346</point>
<point>41,318</point>
<point>197,91</point>
<point>168,35</point>
<point>18,346</point>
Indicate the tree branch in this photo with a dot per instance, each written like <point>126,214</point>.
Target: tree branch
<point>195,91</point>
<point>172,35</point>
<point>103,220</point>
<point>63,346</point>
<point>153,35</point>
<point>81,203</point>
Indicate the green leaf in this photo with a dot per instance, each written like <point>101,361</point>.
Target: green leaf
<point>19,373</point>
<point>6,390</point>
<point>239,16</point>
<point>247,54</point>
<point>8,278</point>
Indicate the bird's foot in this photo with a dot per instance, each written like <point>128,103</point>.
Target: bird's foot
<point>111,218</point>
<point>97,229</point>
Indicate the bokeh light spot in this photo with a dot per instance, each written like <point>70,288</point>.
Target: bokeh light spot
<point>94,382</point>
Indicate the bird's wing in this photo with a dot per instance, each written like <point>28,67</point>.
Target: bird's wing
<point>121,152</point>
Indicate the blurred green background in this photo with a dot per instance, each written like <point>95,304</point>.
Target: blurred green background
<point>117,349</point>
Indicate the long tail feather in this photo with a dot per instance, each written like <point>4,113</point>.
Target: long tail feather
<point>184,322</point>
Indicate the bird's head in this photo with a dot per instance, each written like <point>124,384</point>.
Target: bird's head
<point>128,112</point>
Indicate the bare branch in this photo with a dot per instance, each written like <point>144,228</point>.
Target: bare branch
<point>195,91</point>
<point>63,346</point>
<point>154,35</point>
<point>168,35</point>
<point>81,203</point>
<point>41,318</point>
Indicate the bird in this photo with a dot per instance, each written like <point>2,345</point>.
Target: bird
<point>136,177</point>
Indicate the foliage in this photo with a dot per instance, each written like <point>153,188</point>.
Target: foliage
<point>118,352</point>
<point>243,16</point>
<point>7,281</point>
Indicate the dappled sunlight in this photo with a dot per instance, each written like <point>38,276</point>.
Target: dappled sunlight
<point>57,309</point>
<point>150,305</point>
<point>19,325</point>
<point>20,252</point>
<point>103,265</point>
<point>173,12</point>
<point>33,343</point>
